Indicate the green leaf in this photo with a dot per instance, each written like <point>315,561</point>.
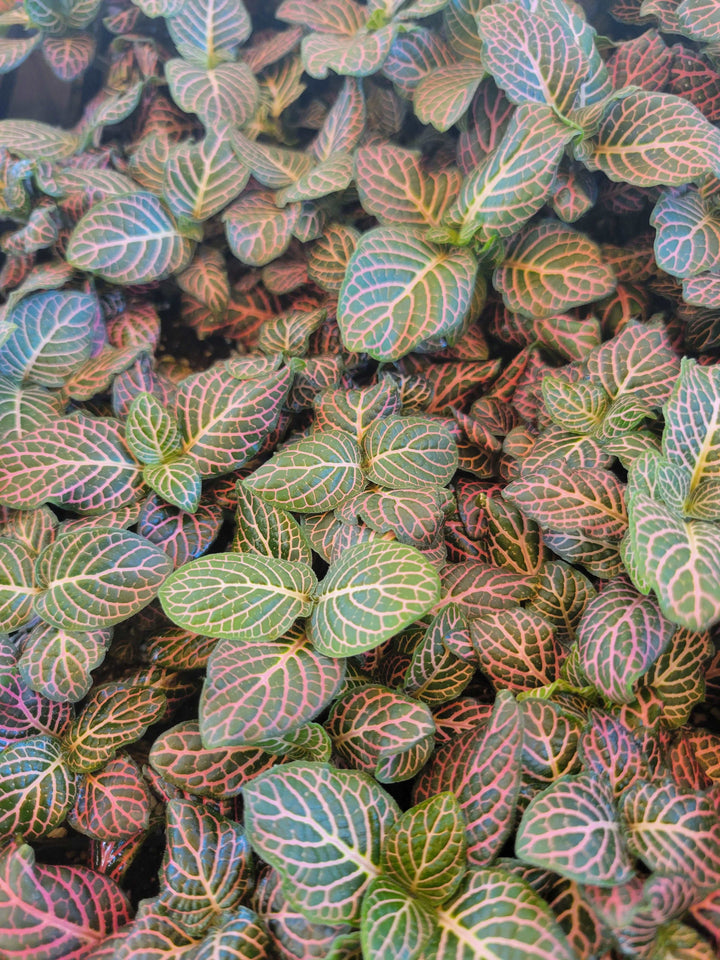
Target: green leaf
<point>573,828</point>
<point>691,438</point>
<point>549,267</point>
<point>443,95</point>
<point>359,55</point>
<point>424,851</point>
<point>639,362</point>
<point>257,229</point>
<point>497,915</point>
<point>129,240</point>
<point>619,637</point>
<point>651,139</point>
<point>679,560</point>
<point>256,691</point>
<point>207,32</point>
<point>687,239</point>
<point>176,481</point>
<point>116,714</point>
<point>28,138</point>
<point>393,923</point>
<point>17,584</point>
<point>57,663</point>
<point>515,648</point>
<point>15,51</point>
<point>201,179</point>
<point>328,259</point>
<point>263,528</point>
<point>311,476</point>
<point>400,289</point>
<point>239,596</point>
<point>513,182</point>
<point>409,452</point>
<point>38,787</point>
<point>113,804</point>
<point>97,578</point>
<point>52,337</point>
<point>150,431</point>
<point>23,409</point>
<point>329,176</point>
<point>322,829</point>
<point>371,593</point>
<point>225,95</point>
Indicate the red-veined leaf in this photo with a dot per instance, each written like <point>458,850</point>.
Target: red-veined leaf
<point>409,452</point>
<point>257,229</point>
<point>225,95</point>
<point>202,179</point>
<point>113,803</point>
<point>69,56</point>
<point>207,32</point>
<point>38,787</point>
<point>57,662</point>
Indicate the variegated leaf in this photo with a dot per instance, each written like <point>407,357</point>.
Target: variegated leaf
<point>370,724</point>
<point>515,648</point>
<point>311,476</point>
<point>176,481</point>
<point>687,240</point>
<point>409,452</point>
<point>128,240</point>
<point>329,256</point>
<point>256,691</point>
<point>257,229</point>
<point>512,183</point>
<point>57,663</point>
<point>359,55</point>
<point>329,176</point>
<point>29,138</point>
<point>573,828</point>
<point>619,637</point>
<point>116,714</point>
<point>55,911</point>
<point>151,432</point>
<point>268,530</point>
<point>639,361</point>
<point>343,124</point>
<point>400,289</point>
<point>113,803</point>
<point>17,584</point>
<point>202,179</point>
<point>343,816</point>
<point>15,51</point>
<point>550,740</point>
<point>224,96</point>
<point>23,409</point>
<point>239,596</point>
<point>98,578</point>
<point>443,96</point>
<point>371,593</point>
<point>38,787</point>
<point>182,535</point>
<point>637,142</point>
<point>208,32</point>
<point>393,922</point>
<point>549,267</point>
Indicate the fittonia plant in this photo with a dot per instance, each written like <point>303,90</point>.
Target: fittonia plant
<point>379,624</point>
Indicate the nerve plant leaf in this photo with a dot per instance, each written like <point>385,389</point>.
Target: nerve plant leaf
<point>98,578</point>
<point>400,289</point>
<point>409,452</point>
<point>227,94</point>
<point>208,33</point>
<point>371,593</point>
<point>38,787</point>
<point>55,911</point>
<point>342,817</point>
<point>128,240</point>
<point>573,828</point>
<point>239,596</point>
<point>256,691</point>
<point>113,803</point>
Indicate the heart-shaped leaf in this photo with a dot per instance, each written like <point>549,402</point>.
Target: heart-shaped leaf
<point>207,32</point>
<point>227,94</point>
<point>400,289</point>
<point>97,578</point>
<point>344,816</point>
<point>57,663</point>
<point>202,179</point>
<point>369,594</point>
<point>254,692</point>
<point>409,452</point>
<point>113,803</point>
<point>239,596</point>
<point>393,922</point>
<point>128,239</point>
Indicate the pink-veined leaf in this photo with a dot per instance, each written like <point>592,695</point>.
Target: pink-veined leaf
<point>114,715</point>
<point>256,691</point>
<point>113,803</point>
<point>263,528</point>
<point>478,587</point>
<point>179,757</point>
<point>97,578</point>
<point>687,240</point>
<point>343,816</point>
<point>206,280</point>
<point>400,289</point>
<point>29,138</point>
<point>483,769</point>
<point>492,911</point>
<point>609,749</point>
<point>128,240</point>
<point>272,166</point>
<point>311,476</point>
<point>225,421</point>
<point>202,179</point>
<point>516,648</point>
<point>691,438</point>
<point>549,268</point>
<point>652,139</point>
<point>207,32</point>
<point>372,723</point>
<point>239,596</point>
<point>207,867</point>
<point>587,501</point>
<point>69,56</point>
<point>25,713</point>
<point>329,176</point>
<point>354,411</point>
<point>619,637</point>
<point>181,535</point>
<point>55,912</point>
<point>394,922</point>
<point>17,584</point>
<point>573,828</point>
<point>414,55</point>
<point>38,787</point>
<point>639,361</point>
<point>443,96</point>
<point>512,183</point>
<point>550,740</point>
<point>370,593</point>
<point>562,594</point>
<point>394,187</point>
<point>343,124</point>
<point>177,482</point>
<point>57,662</point>
<point>257,229</point>
<point>409,452</point>
<point>359,55</point>
<point>151,432</point>
<point>52,337</point>
<point>413,516</point>
<point>673,831</point>
<point>225,95</point>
